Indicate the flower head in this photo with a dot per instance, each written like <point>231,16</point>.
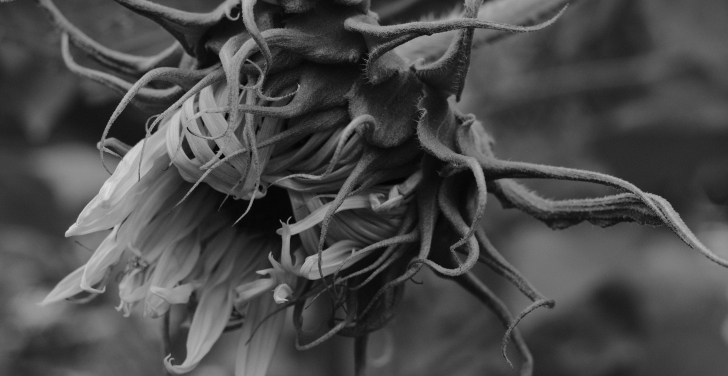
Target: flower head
<point>306,108</point>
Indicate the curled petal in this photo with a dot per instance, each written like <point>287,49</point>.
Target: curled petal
<point>132,289</point>
<point>211,316</point>
<point>281,293</point>
<point>332,260</point>
<point>106,255</point>
<point>397,195</point>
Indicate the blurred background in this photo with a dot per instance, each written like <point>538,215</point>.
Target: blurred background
<point>633,88</point>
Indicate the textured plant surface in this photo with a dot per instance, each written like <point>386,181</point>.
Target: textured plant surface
<point>348,167</point>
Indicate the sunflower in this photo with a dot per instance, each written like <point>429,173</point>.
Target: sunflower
<point>300,149</point>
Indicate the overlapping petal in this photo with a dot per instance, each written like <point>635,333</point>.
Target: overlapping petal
<point>66,288</point>
<point>332,260</point>
<point>175,264</point>
<point>106,255</point>
<point>117,196</point>
<point>209,320</point>
<point>260,334</point>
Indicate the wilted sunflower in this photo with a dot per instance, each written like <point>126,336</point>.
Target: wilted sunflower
<point>306,109</point>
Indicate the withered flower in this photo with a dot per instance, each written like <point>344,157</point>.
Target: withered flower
<point>312,99</point>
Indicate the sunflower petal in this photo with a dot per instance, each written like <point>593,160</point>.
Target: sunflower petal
<point>117,196</point>
<point>175,295</point>
<point>332,260</point>
<point>259,337</point>
<point>211,316</point>
<point>66,288</point>
<point>106,255</point>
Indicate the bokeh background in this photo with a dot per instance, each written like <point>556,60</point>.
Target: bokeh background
<point>633,88</point>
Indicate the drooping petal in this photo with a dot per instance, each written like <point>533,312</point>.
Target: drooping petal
<point>212,253</point>
<point>309,239</point>
<point>253,289</point>
<point>174,265</point>
<point>175,295</point>
<point>286,260</point>
<point>132,288</point>
<point>129,169</point>
<point>281,293</point>
<point>210,319</point>
<point>106,255</point>
<point>255,350</point>
<point>117,196</point>
<point>171,227</point>
<point>158,199</point>
<point>66,288</point>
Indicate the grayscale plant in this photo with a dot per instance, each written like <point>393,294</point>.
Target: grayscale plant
<point>312,109</point>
